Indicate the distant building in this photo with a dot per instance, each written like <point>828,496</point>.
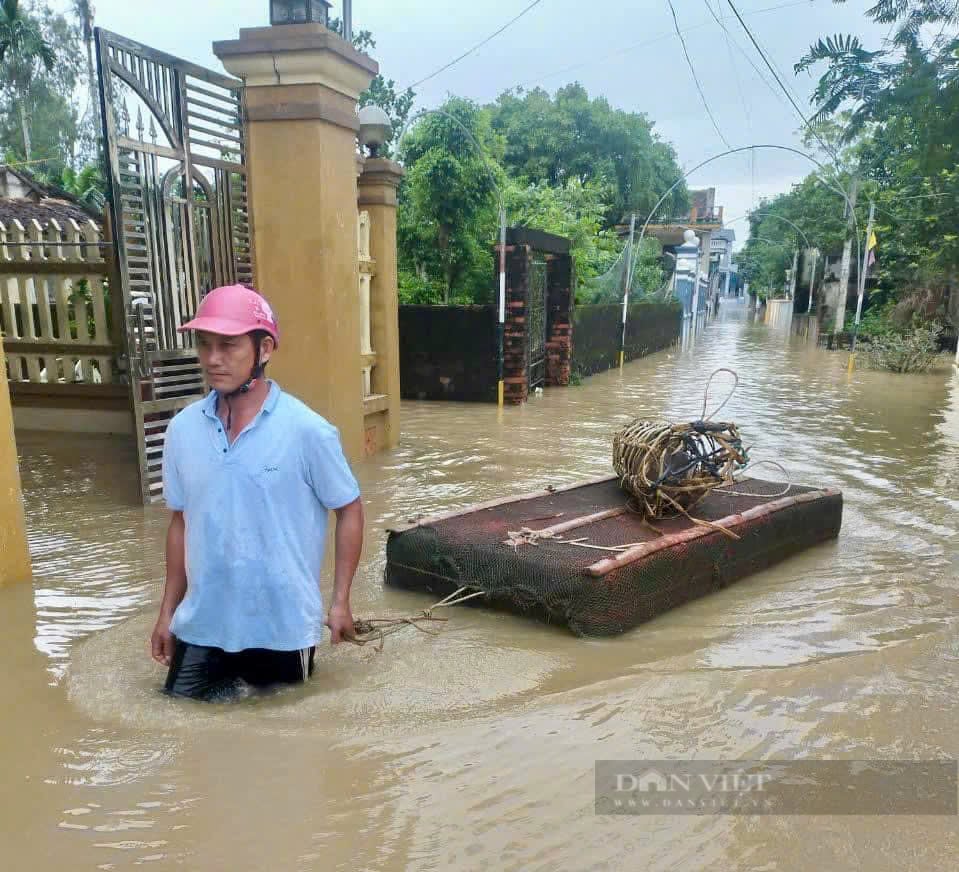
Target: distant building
<point>18,185</point>
<point>721,258</point>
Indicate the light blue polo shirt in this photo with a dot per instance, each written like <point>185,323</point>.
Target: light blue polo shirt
<point>256,514</point>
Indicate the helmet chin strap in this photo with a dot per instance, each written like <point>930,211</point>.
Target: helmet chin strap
<point>255,374</point>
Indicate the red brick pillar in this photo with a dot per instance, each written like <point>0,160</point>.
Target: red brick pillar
<point>559,304</point>
<point>515,344</point>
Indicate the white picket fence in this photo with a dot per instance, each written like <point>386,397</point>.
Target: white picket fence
<point>53,303</point>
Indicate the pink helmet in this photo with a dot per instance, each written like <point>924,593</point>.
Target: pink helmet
<point>233,311</point>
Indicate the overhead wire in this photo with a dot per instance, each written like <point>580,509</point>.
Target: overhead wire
<point>692,70</point>
<point>476,47</point>
<point>750,159</point>
<point>732,63</point>
<point>759,73</point>
<point>645,42</point>
<point>785,90</point>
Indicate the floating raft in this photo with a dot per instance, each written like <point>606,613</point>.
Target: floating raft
<point>578,556</point>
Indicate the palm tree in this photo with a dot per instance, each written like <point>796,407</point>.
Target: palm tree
<point>22,47</point>
<point>84,11</point>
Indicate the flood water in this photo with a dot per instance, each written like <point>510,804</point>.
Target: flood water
<point>475,749</point>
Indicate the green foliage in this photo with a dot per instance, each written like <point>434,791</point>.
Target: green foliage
<point>898,108</point>
<point>877,321</point>
<point>570,136</point>
<point>448,201</point>
<point>414,289</point>
<point>913,351</point>
<point>38,71</point>
<point>87,185</point>
<point>647,278</point>
<point>575,210</point>
<point>23,44</point>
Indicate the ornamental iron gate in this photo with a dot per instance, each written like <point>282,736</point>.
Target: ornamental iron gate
<point>536,334</point>
<point>176,154</point>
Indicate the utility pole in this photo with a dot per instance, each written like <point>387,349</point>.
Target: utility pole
<point>844,271</point>
<point>626,283</point>
<point>863,269</point>
<point>792,275</point>
<point>348,21</point>
<point>812,279</point>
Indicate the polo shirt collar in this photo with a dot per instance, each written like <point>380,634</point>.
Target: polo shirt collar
<point>209,403</point>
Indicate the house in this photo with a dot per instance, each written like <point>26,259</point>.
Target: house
<point>720,258</point>
<point>24,198</point>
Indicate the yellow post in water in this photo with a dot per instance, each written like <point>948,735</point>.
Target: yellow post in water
<point>852,363</point>
<point>14,553</point>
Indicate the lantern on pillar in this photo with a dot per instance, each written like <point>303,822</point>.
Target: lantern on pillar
<point>300,12</point>
<point>375,128</point>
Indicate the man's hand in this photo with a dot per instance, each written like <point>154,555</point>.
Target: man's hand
<point>161,642</point>
<point>340,622</point>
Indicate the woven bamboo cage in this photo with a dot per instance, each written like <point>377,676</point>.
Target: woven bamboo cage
<point>668,468</point>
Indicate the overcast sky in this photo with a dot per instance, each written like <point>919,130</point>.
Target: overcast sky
<point>625,51</point>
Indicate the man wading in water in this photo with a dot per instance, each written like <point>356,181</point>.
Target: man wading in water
<point>250,474</point>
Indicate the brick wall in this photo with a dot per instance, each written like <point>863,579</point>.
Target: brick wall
<point>515,346</point>
<point>597,333</point>
<point>559,339</point>
<point>448,353</point>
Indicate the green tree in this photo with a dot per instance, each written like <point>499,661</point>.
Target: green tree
<point>571,136</point>
<point>24,50</point>
<point>575,210</point>
<point>84,11</point>
<point>448,201</point>
<point>901,105</point>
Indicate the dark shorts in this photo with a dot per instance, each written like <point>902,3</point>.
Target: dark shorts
<point>200,672</point>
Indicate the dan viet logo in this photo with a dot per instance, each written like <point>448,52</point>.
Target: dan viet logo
<point>785,787</point>
<point>653,781</point>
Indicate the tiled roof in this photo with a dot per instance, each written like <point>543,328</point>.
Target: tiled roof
<point>26,210</point>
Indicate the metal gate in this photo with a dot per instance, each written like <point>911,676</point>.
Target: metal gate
<point>178,194</point>
<point>536,321</point>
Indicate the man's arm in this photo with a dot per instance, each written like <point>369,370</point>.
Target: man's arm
<point>174,590</point>
<point>349,546</point>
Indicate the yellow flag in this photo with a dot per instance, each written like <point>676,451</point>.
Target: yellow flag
<point>873,242</point>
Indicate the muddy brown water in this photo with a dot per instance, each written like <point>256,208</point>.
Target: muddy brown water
<point>475,750</point>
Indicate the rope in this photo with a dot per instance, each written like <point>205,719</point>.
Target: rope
<point>728,398</point>
<point>778,466</point>
<point>366,630</point>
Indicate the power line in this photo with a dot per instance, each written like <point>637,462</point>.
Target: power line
<point>650,41</point>
<point>732,63</point>
<point>779,81</point>
<point>692,69</point>
<point>729,37</point>
<point>478,45</point>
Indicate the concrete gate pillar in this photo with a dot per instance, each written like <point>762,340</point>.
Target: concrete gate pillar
<point>14,553</point>
<point>303,82</point>
<point>377,195</point>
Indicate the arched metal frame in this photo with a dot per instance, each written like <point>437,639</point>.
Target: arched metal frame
<point>687,173</point>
